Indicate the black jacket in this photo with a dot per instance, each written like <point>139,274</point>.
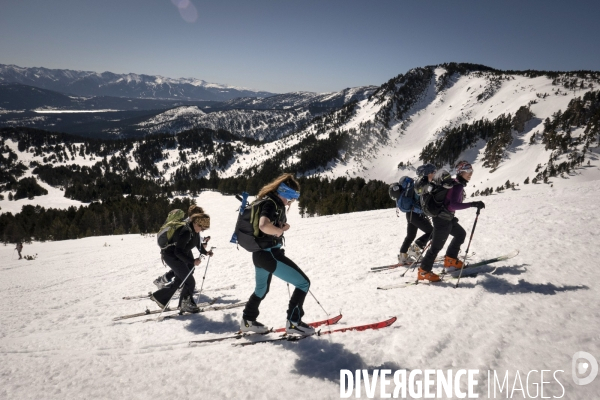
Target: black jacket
<point>185,239</point>
<point>275,211</point>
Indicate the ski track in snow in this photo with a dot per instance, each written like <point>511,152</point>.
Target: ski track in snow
<point>58,340</point>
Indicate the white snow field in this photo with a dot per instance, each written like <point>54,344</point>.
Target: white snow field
<point>58,340</point>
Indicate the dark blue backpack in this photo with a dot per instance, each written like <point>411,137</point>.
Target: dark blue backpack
<point>403,192</point>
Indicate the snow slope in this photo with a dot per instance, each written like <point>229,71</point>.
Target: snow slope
<point>454,106</point>
<point>58,340</point>
<point>434,111</point>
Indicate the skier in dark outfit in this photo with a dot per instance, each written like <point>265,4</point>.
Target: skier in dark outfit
<point>417,220</point>
<point>19,249</point>
<point>446,224</point>
<point>180,259</point>
<point>166,279</point>
<point>271,260</point>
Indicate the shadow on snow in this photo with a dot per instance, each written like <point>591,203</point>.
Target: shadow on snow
<point>494,284</point>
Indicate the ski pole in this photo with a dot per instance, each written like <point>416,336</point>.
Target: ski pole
<point>205,269</point>
<point>469,245</point>
<point>311,293</point>
<point>326,313</point>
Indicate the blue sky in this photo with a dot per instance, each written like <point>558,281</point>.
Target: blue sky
<point>284,46</point>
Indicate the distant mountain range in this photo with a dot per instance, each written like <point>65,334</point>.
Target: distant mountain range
<point>20,97</point>
<point>260,118</point>
<point>87,83</point>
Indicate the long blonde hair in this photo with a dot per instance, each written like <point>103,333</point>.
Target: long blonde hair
<point>288,179</point>
<point>195,209</point>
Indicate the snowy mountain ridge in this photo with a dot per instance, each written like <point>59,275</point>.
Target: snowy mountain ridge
<point>89,83</point>
<point>388,132</point>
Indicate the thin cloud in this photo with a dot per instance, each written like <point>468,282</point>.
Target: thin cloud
<point>187,10</point>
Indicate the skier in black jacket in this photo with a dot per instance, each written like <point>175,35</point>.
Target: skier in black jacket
<point>166,279</point>
<point>417,220</point>
<point>446,224</point>
<point>271,260</point>
<point>181,261</point>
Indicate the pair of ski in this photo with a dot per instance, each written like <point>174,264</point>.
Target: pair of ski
<point>407,264</point>
<point>203,308</point>
<point>215,308</point>
<point>454,274</point>
<point>147,296</point>
<point>295,338</point>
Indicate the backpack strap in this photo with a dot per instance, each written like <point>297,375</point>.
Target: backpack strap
<point>256,210</point>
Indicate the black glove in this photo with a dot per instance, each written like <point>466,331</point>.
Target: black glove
<point>478,204</point>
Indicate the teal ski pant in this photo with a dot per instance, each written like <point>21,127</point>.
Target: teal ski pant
<point>269,262</point>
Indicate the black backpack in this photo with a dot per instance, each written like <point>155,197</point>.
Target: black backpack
<point>434,194</point>
<point>246,228</point>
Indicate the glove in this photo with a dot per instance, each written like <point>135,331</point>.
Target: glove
<point>478,204</point>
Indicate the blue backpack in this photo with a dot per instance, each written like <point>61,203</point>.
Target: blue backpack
<point>403,192</point>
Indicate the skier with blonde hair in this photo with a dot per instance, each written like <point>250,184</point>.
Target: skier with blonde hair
<point>269,258</point>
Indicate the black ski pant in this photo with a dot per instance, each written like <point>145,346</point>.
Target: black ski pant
<point>170,274</point>
<point>269,262</point>
<point>414,222</point>
<point>181,270</point>
<point>442,228</point>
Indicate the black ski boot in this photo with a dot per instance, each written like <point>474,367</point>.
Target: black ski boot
<point>189,306</point>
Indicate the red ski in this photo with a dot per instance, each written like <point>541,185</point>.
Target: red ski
<point>239,335</point>
<point>330,321</point>
<point>295,338</point>
<point>377,325</point>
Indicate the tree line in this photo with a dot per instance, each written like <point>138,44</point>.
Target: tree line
<point>141,214</point>
<point>112,217</point>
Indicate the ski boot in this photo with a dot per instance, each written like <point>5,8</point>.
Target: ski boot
<point>252,326</point>
<point>415,251</point>
<point>403,258</point>
<point>161,282</point>
<point>450,262</point>
<point>189,306</point>
<point>158,303</point>
<point>427,275</point>
<point>299,328</point>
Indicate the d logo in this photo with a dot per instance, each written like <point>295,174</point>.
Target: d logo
<point>581,367</point>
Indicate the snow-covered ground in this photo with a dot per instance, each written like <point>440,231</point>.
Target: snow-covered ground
<point>58,340</point>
